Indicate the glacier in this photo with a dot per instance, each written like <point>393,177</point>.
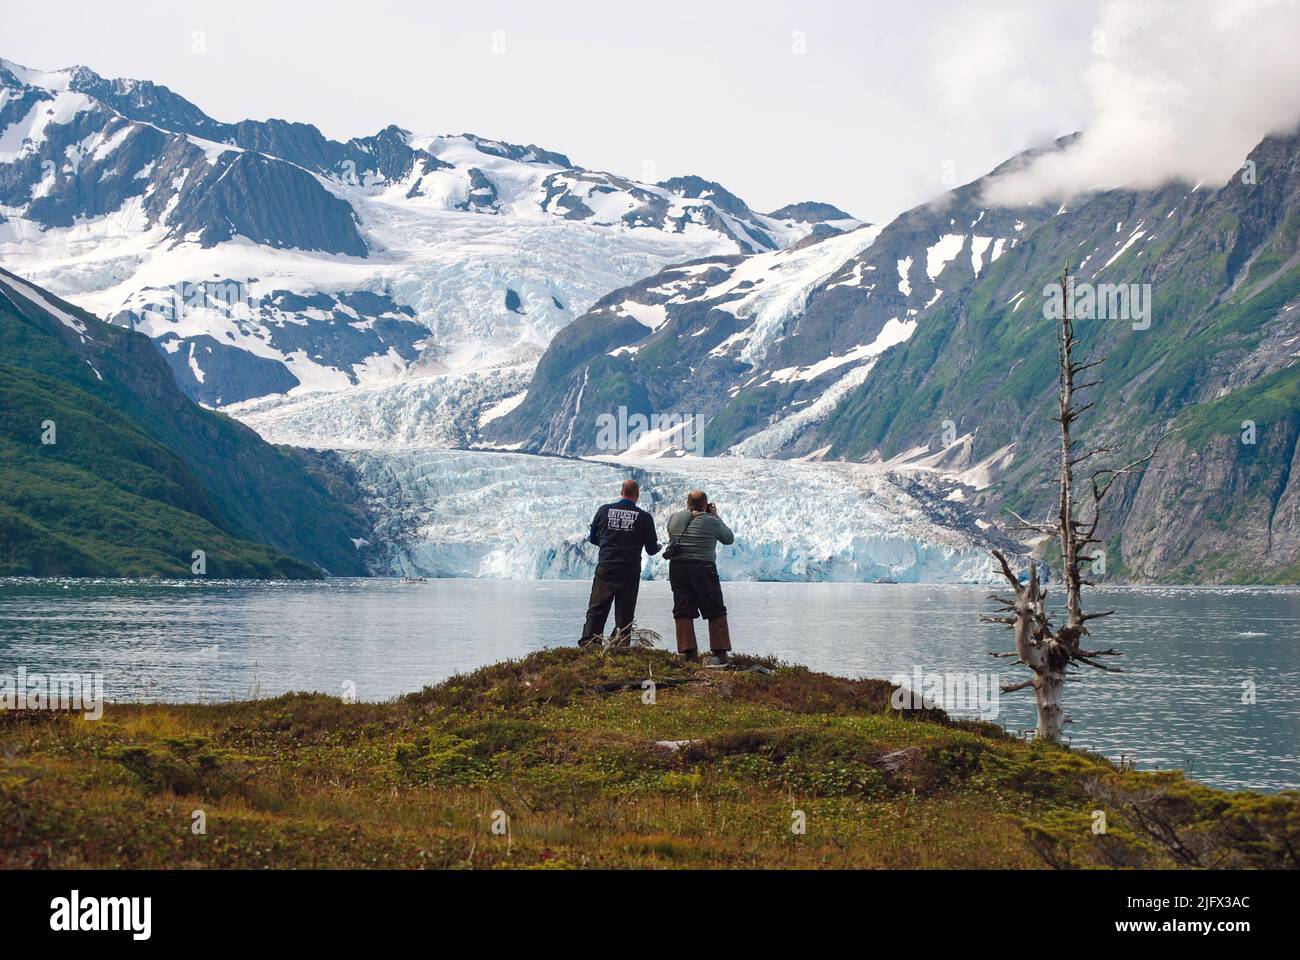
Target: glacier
<point>436,412</point>
<point>494,514</point>
<point>442,510</point>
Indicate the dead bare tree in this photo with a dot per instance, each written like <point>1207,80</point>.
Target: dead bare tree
<point>1050,651</point>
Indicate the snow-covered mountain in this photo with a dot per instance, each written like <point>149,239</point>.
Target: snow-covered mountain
<point>267,259</point>
<point>764,346</point>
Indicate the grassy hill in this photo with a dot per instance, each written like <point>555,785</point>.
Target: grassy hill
<point>562,753</point>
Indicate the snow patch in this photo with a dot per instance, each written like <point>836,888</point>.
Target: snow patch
<point>499,410</point>
<point>939,255</point>
<point>904,285</point>
<point>65,318</point>
<point>650,315</point>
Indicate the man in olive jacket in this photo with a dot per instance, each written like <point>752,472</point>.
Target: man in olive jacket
<point>693,573</point>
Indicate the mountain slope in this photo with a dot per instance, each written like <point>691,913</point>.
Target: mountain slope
<point>1219,355</point>
<point>109,470</point>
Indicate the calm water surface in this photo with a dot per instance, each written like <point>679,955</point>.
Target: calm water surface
<point>1187,651</point>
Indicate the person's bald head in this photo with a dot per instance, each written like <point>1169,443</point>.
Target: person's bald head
<point>697,500</point>
<point>630,489</point>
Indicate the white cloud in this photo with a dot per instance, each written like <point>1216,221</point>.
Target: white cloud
<point>1179,90</point>
<point>1005,59</point>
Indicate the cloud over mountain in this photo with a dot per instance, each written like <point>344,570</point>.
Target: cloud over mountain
<point>1179,90</point>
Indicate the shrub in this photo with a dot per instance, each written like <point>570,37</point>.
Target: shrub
<point>442,759</point>
<point>491,737</point>
<point>186,765</point>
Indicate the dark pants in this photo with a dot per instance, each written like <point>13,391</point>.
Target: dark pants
<point>617,588</point>
<point>697,592</point>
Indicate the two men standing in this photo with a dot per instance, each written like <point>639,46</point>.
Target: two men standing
<point>622,530</point>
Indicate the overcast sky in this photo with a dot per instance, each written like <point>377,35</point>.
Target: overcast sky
<point>872,106</point>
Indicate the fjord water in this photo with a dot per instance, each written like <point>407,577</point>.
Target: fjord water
<point>1188,652</point>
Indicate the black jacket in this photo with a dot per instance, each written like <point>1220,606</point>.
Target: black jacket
<point>621,530</point>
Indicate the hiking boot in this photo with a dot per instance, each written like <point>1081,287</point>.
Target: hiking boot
<point>691,656</point>
<point>595,640</point>
<point>719,657</point>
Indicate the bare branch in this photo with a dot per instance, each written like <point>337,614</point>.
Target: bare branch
<point>1126,469</point>
<point>990,618</point>
<point>1112,652</point>
<point>1047,529</point>
<point>1075,461</point>
<point>1099,666</point>
<point>1006,572</point>
<point>1080,367</point>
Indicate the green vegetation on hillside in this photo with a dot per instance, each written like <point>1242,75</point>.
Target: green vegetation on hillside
<point>1272,401</point>
<point>104,499</point>
<point>137,477</point>
<point>574,764</point>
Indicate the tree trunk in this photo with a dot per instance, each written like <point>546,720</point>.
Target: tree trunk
<point>1051,715</point>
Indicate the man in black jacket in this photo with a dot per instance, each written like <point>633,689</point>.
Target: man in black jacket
<point>622,530</point>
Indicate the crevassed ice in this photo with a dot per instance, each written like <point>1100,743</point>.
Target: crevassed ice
<point>487,514</point>
<point>440,411</point>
